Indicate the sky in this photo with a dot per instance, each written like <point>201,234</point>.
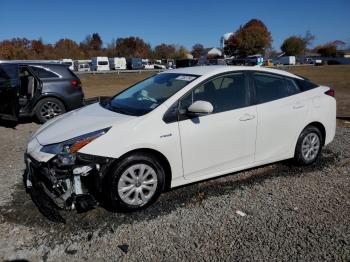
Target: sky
<point>183,22</point>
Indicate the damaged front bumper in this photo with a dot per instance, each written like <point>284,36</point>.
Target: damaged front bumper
<point>55,185</point>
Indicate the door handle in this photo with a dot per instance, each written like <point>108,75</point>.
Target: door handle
<point>298,105</point>
<point>246,117</point>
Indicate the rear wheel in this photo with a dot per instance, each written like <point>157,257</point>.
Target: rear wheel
<point>135,183</point>
<point>49,108</point>
<point>309,146</point>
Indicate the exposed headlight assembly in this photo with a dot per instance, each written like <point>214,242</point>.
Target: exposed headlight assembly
<point>73,145</point>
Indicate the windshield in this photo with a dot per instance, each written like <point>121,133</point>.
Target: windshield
<point>148,94</point>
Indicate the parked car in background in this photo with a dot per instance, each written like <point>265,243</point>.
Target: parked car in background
<point>175,128</point>
<point>85,67</point>
<point>82,65</point>
<point>169,63</point>
<point>284,60</point>
<point>147,64</point>
<point>134,63</point>
<point>186,63</point>
<point>68,62</point>
<point>158,65</point>
<point>117,63</point>
<point>100,63</point>
<point>44,90</point>
<point>255,60</point>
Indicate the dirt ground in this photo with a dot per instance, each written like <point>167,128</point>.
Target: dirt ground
<point>337,77</point>
<point>278,212</point>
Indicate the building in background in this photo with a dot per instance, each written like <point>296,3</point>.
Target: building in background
<point>223,40</point>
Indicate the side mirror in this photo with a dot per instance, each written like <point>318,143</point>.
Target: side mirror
<point>200,108</point>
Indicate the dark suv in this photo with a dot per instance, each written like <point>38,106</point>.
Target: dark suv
<point>44,90</point>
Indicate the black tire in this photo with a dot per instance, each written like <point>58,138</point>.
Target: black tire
<point>44,106</point>
<point>114,201</point>
<point>299,157</point>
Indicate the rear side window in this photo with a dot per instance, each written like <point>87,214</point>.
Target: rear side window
<point>43,73</point>
<point>269,87</point>
<point>305,85</point>
<point>8,71</point>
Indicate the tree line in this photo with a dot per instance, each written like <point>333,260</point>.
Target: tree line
<point>249,39</point>
<point>92,45</point>
<point>254,38</point>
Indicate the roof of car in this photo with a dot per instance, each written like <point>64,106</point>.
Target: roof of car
<point>32,62</point>
<point>217,69</point>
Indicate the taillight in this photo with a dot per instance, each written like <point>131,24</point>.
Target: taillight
<point>330,92</point>
<point>75,83</point>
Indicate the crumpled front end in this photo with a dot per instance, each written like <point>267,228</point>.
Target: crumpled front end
<point>64,181</point>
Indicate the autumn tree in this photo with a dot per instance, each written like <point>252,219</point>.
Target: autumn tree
<point>182,52</point>
<point>293,46</point>
<point>66,48</point>
<point>328,50</point>
<point>197,50</point>
<point>38,48</point>
<point>231,46</point>
<point>16,48</point>
<point>132,47</point>
<point>252,38</point>
<point>164,51</point>
<point>96,42</point>
<point>6,50</point>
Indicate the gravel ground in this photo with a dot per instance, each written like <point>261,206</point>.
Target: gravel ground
<point>277,212</point>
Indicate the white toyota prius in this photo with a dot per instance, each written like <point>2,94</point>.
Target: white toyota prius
<point>172,129</point>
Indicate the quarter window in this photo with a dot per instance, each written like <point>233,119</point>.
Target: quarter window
<point>43,73</point>
<point>269,87</point>
<point>305,85</point>
<point>224,93</point>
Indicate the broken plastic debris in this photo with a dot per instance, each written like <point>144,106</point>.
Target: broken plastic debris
<point>239,212</point>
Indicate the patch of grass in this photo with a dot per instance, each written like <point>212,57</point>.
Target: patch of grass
<point>337,77</point>
<point>110,84</point>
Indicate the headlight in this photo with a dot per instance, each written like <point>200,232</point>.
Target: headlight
<point>73,145</point>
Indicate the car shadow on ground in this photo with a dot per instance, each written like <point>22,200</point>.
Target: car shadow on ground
<point>21,210</point>
<point>13,124</point>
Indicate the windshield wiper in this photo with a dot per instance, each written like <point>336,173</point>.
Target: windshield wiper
<point>120,110</point>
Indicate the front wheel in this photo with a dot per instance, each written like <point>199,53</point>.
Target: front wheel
<point>309,146</point>
<point>135,183</point>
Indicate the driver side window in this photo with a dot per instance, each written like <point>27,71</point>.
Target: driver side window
<point>224,93</point>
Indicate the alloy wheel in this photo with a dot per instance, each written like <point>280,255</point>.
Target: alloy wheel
<point>137,184</point>
<point>310,146</point>
<point>50,110</point>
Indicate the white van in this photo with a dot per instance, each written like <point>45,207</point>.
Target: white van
<point>82,65</point>
<point>147,64</point>
<point>285,60</point>
<point>69,62</point>
<point>100,63</point>
<point>117,63</point>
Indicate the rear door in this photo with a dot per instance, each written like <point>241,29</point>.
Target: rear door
<point>282,111</point>
<point>9,91</point>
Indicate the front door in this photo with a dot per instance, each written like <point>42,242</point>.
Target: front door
<point>9,91</point>
<point>224,140</point>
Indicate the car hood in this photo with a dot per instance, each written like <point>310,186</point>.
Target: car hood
<point>79,122</point>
